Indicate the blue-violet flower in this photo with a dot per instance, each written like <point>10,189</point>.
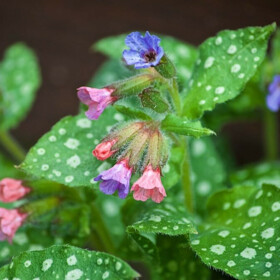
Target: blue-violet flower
<point>144,51</point>
<point>116,178</point>
<point>273,97</point>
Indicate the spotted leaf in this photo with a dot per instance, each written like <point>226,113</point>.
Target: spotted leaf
<point>64,154</point>
<point>183,126</point>
<point>19,80</point>
<point>241,236</point>
<point>226,63</point>
<point>208,177</point>
<point>68,263</point>
<point>258,174</point>
<point>165,218</point>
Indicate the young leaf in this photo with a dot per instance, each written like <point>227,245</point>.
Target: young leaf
<point>183,126</point>
<point>19,80</point>
<point>226,63</point>
<point>241,235</point>
<point>64,154</point>
<point>68,263</point>
<point>152,99</point>
<point>257,175</point>
<point>132,113</point>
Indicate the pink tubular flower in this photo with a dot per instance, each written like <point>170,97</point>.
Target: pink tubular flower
<point>149,186</point>
<point>10,221</point>
<point>116,178</point>
<point>12,190</point>
<point>103,150</point>
<point>96,99</point>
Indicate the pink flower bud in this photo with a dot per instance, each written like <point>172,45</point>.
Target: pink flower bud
<point>96,99</point>
<point>103,150</point>
<point>149,186</point>
<point>10,221</point>
<point>12,190</point>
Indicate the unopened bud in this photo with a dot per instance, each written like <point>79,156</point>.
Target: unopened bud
<point>166,68</point>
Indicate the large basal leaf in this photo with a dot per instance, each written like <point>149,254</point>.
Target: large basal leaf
<point>26,239</point>
<point>226,63</point>
<point>19,80</point>
<point>182,54</point>
<point>177,261</point>
<point>68,263</point>
<point>64,154</point>
<point>183,126</point>
<point>241,235</point>
<point>208,171</point>
<point>258,174</point>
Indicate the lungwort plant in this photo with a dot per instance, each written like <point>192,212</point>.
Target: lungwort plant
<point>142,174</point>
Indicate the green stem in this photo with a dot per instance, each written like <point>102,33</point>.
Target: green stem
<point>186,178</point>
<point>174,91</point>
<point>102,231</point>
<point>271,135</point>
<point>12,146</point>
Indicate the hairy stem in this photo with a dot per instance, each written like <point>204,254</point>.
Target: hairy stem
<point>186,178</point>
<point>12,146</point>
<point>270,135</point>
<point>102,231</point>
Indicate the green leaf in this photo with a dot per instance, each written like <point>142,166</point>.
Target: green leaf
<point>183,126</point>
<point>241,234</point>
<point>7,169</point>
<point>152,99</point>
<point>69,263</point>
<point>19,80</point>
<point>64,154</point>
<point>258,174</point>
<point>226,63</point>
<point>178,261</point>
<point>183,55</point>
<point>165,218</point>
<point>26,239</point>
<point>276,52</point>
<point>208,171</point>
<point>132,113</point>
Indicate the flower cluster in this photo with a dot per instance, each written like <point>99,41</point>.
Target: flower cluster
<point>11,190</point>
<point>138,146</point>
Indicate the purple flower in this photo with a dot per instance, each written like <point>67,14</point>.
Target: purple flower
<point>273,98</point>
<point>116,178</point>
<point>96,99</point>
<point>144,51</point>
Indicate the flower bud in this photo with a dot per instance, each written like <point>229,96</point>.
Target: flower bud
<point>104,150</point>
<point>166,68</point>
<point>10,221</point>
<point>12,190</point>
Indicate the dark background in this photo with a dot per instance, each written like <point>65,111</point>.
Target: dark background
<point>61,33</point>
